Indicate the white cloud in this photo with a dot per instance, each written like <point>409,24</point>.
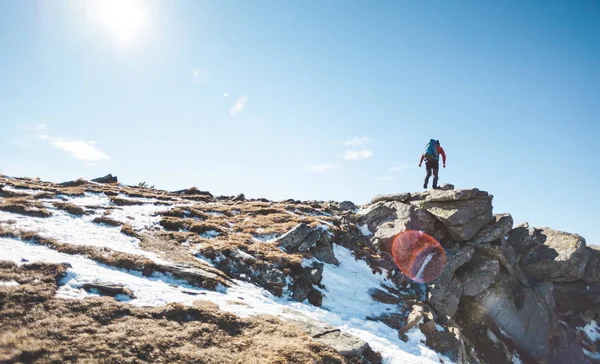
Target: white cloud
<point>42,136</point>
<point>239,105</point>
<point>385,178</point>
<point>321,167</point>
<point>356,142</point>
<point>30,127</point>
<point>400,168</point>
<point>353,155</point>
<point>80,149</point>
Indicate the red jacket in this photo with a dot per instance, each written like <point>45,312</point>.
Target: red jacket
<point>440,150</point>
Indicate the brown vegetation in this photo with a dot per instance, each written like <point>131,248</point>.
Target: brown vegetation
<point>24,206</point>
<point>70,208</point>
<point>38,327</point>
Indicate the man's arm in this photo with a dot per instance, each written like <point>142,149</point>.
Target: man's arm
<point>421,160</point>
<point>441,151</point>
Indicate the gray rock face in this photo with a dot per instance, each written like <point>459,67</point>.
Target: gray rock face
<point>592,269</point>
<point>521,315</point>
<point>499,226</point>
<point>108,289</point>
<point>550,255</point>
<point>477,276</point>
<point>446,187</point>
<point>347,345</point>
<point>505,254</point>
<point>463,212</point>
<point>446,290</point>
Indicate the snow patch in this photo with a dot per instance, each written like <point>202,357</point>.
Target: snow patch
<point>364,229</point>
<point>209,234</point>
<point>9,283</point>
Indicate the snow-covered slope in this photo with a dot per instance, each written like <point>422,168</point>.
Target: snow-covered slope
<point>346,288</point>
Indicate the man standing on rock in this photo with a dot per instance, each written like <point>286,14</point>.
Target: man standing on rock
<point>432,161</point>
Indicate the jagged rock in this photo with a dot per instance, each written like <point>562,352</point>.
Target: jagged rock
<point>240,197</point>
<point>449,195</point>
<point>463,212</point>
<point>550,255</point>
<point>384,297</point>
<point>347,345</point>
<point>301,238</point>
<point>445,292</point>
<point>374,215</point>
<point>505,254</point>
<point>592,268</point>
<point>108,289</point>
<point>109,178</point>
<point>270,277</point>
<point>476,276</point>
<point>401,217</point>
<point>347,206</point>
<point>520,313</point>
<point>401,197</point>
<point>500,225</point>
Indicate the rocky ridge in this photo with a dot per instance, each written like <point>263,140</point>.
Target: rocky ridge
<point>505,294</point>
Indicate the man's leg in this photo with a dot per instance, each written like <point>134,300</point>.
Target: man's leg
<point>428,167</point>
<point>435,177</point>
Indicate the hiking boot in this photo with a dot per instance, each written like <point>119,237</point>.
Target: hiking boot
<point>425,185</point>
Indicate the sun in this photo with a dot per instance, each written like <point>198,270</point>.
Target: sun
<point>124,20</point>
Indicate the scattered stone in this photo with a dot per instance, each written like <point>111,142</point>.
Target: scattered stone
<point>109,289</point>
<point>301,238</point>
<point>347,345</point>
<point>109,178</point>
<point>446,187</point>
<point>239,197</point>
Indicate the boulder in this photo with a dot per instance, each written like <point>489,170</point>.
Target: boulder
<point>500,225</point>
<point>577,296</point>
<point>445,292</point>
<point>477,275</point>
<point>347,345</point>
<point>75,183</point>
<point>108,289</point>
<point>550,255</point>
<point>301,238</point>
<point>376,214</point>
<point>109,178</point>
<point>400,217</point>
<point>463,212</point>
<point>401,197</point>
<point>347,206</point>
<point>239,197</point>
<point>520,314</point>
<point>592,268</point>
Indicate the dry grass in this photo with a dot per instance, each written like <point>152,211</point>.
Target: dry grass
<point>107,221</point>
<point>40,328</point>
<point>210,280</point>
<point>70,208</point>
<point>24,206</point>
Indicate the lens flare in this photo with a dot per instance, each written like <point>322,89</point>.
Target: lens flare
<point>418,255</point>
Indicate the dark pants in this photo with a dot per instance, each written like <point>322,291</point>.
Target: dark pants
<point>432,166</point>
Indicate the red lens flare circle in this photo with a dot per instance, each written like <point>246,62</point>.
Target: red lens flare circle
<point>418,255</point>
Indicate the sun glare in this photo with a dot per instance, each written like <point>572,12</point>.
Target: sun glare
<point>125,20</point>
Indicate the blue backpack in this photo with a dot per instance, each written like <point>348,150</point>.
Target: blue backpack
<point>431,153</point>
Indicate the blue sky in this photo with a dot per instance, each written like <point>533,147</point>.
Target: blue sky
<point>329,100</point>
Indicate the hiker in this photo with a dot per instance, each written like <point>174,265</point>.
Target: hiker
<point>432,163</point>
